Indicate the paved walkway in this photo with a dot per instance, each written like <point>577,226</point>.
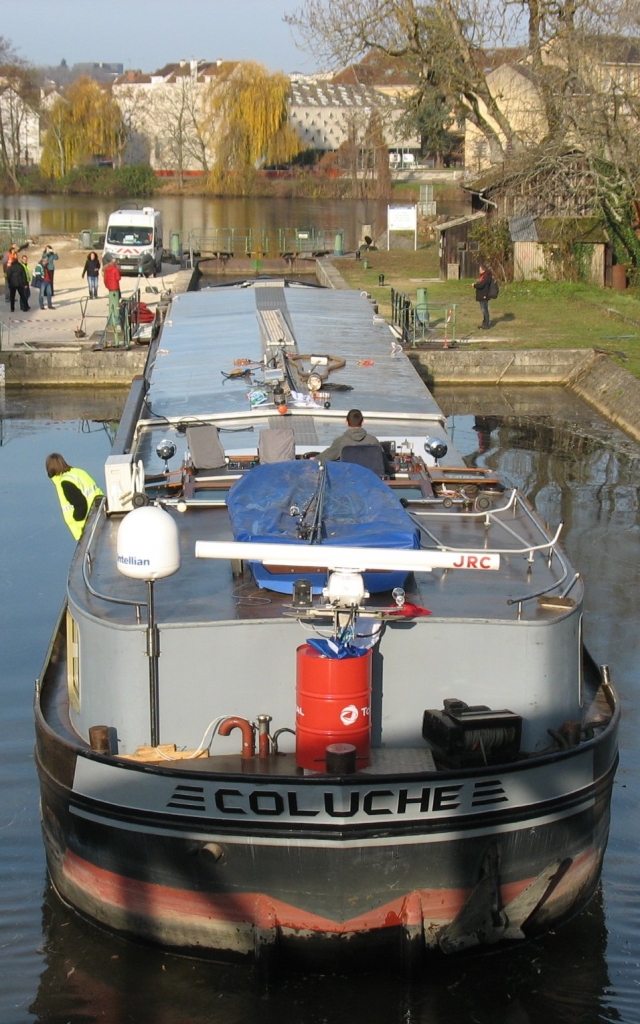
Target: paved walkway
<point>41,328</point>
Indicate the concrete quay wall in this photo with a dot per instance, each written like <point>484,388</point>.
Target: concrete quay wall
<point>73,366</point>
<point>61,361</point>
<point>595,377</point>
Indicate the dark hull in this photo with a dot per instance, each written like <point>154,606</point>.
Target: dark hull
<point>208,887</point>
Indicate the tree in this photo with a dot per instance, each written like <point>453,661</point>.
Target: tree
<point>187,131</point>
<point>19,103</point>
<point>249,108</point>
<point>579,66</point>
<point>83,123</point>
<point>438,41</point>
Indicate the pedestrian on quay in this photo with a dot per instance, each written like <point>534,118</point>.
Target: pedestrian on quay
<point>10,255</point>
<point>112,277</point>
<point>48,259</point>
<point>92,270</point>
<point>483,289</point>
<point>17,278</point>
<point>25,263</point>
<point>75,489</point>
<point>42,281</point>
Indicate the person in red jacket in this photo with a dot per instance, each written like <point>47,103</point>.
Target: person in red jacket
<point>112,276</point>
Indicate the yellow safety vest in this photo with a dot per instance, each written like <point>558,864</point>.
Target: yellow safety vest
<point>89,488</point>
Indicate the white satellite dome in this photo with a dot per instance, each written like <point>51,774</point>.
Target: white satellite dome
<point>148,546</point>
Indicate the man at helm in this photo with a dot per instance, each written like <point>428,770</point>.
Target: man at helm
<point>354,434</point>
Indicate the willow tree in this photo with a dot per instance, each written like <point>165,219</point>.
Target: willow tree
<point>83,123</point>
<point>249,109</point>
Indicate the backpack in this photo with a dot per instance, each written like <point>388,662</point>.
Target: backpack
<point>494,289</point>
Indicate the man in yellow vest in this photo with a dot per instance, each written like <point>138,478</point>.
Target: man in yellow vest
<point>76,491</point>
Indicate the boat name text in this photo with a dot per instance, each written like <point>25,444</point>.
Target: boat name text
<point>326,805</point>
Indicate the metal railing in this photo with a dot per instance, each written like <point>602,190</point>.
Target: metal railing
<point>127,324</point>
<point>423,322</point>
<point>11,231</point>
<point>257,242</point>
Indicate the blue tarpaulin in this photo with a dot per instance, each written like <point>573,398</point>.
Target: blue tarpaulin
<point>334,649</point>
<point>359,510</point>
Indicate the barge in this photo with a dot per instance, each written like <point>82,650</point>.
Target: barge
<point>325,711</point>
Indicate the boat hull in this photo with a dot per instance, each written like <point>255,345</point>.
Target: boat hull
<point>439,881</point>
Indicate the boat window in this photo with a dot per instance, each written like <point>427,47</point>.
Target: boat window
<point>413,493</point>
<point>73,662</point>
<point>212,495</point>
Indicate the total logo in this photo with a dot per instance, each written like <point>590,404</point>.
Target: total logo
<point>351,714</point>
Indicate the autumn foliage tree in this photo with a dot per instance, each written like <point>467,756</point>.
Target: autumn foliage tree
<point>249,108</point>
<point>83,123</point>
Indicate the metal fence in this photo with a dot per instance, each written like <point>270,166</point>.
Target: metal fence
<point>257,242</point>
<point>11,232</point>
<point>423,322</point>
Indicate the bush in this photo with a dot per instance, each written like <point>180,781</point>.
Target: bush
<point>494,246</point>
<point>138,180</point>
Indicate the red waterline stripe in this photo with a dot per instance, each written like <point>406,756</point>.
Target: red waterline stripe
<point>158,901</point>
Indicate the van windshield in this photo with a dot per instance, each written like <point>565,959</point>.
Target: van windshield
<point>123,234</point>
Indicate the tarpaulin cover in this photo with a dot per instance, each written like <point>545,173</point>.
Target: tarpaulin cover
<point>359,509</point>
<point>335,650</point>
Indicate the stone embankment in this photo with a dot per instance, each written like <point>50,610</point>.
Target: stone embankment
<point>594,376</point>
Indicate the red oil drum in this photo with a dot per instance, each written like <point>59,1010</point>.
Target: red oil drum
<point>333,705</point>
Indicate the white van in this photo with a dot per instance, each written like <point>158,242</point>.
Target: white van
<point>134,241</point>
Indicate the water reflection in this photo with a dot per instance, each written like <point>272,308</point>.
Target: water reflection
<point>72,214</point>
<point>89,977</point>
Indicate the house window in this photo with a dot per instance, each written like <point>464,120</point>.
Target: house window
<point>73,662</point>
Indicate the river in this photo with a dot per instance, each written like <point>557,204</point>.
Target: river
<point>50,215</point>
<point>56,969</point>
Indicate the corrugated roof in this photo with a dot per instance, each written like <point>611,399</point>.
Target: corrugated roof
<point>523,229</point>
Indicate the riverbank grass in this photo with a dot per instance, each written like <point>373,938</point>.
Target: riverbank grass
<point>530,314</point>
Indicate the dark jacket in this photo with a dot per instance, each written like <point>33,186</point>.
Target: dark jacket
<point>16,274</point>
<point>353,435</point>
<point>482,286</point>
<point>91,267</point>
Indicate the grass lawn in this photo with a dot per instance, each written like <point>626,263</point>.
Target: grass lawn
<point>531,314</point>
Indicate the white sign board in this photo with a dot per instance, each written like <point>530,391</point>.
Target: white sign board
<point>403,218</point>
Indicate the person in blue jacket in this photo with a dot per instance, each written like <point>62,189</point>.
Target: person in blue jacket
<point>48,259</point>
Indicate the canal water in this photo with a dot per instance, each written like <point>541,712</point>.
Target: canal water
<point>44,215</point>
<point>55,969</point>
